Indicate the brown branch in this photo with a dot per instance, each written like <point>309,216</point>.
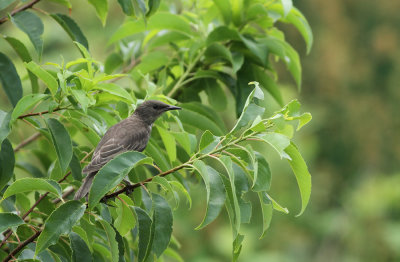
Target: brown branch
<point>8,232</point>
<point>42,113</point>
<point>18,10</point>
<point>129,188</point>
<point>21,246</point>
<point>26,142</point>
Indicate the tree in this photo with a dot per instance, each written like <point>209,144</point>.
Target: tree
<point>197,55</point>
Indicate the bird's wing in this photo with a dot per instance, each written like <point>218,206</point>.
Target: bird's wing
<point>115,142</point>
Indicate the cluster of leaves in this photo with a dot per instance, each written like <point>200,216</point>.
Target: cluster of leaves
<point>169,56</point>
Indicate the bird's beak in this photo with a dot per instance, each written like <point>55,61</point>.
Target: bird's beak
<point>173,108</point>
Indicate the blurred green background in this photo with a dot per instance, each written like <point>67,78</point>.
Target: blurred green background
<point>352,146</point>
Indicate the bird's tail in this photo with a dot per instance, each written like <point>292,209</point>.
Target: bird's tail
<point>85,187</point>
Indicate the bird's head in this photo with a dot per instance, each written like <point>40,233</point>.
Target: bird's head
<point>150,110</point>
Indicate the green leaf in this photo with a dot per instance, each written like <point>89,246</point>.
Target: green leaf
<point>266,209</point>
<point>8,220</point>
<point>112,173</point>
<point>5,3</point>
<point>208,142</point>
<point>215,192</point>
<point>179,187</point>
<point>82,98</point>
<point>162,218</point>
<point>197,118</point>
<point>222,34</point>
<point>127,7</point>
<point>115,90</point>
<point>7,162</point>
<point>153,6</point>
<point>303,177</point>
<point>250,110</point>
<point>125,220</point>
<point>275,204</point>
<point>76,168</point>
<point>145,235</point>
<point>112,62</point>
<point>287,6</point>
<point>183,139</point>
<point>27,184</point>
<point>262,175</point>
<point>152,61</point>
<point>288,55</point>
<point>101,7</point>
<point>43,75</point>
<point>4,124</point>
<point>111,243</point>
<point>278,142</point>
<point>65,3</point>
<point>153,150</point>
<point>258,49</point>
<point>10,80</point>
<point>31,169</point>
<point>26,103</point>
<point>71,28</point>
<point>232,203</point>
<point>224,8</point>
<point>59,222</point>
<point>80,251</point>
<point>61,141</point>
<point>23,53</point>
<point>166,186</point>
<point>31,25</point>
<point>215,94</point>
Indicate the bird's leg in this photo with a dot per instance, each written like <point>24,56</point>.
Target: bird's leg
<point>128,186</point>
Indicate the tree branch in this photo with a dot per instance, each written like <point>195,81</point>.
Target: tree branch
<point>26,142</point>
<point>42,113</point>
<point>21,246</point>
<point>18,10</point>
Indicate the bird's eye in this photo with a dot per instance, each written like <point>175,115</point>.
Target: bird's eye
<point>155,107</point>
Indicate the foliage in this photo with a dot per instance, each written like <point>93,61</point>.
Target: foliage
<point>196,54</point>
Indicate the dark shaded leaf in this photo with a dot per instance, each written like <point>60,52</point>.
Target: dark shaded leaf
<point>7,162</point>
<point>145,235</point>
<point>76,168</point>
<point>4,124</point>
<point>262,175</point>
<point>8,220</point>
<point>61,141</point>
<point>71,28</point>
<point>162,218</point>
<point>31,25</point>
<point>59,222</point>
<point>215,192</point>
<point>80,251</point>
<point>111,243</point>
<point>10,80</point>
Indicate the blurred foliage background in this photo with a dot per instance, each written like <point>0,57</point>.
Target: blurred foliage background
<point>352,146</point>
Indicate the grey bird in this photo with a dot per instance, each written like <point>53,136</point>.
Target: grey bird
<point>131,134</point>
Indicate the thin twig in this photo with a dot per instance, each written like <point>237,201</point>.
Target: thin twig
<point>21,246</point>
<point>26,142</point>
<point>42,113</point>
<point>18,10</point>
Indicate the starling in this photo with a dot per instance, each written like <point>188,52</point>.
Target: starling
<point>131,134</point>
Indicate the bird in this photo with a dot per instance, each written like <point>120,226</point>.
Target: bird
<point>131,134</point>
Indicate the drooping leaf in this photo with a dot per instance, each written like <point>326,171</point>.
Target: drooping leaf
<point>76,168</point>
<point>262,175</point>
<point>125,220</point>
<point>215,192</point>
<point>145,235</point>
<point>61,141</point>
<point>8,220</point>
<point>111,174</point>
<point>127,7</point>
<point>153,6</point>
<point>23,53</point>
<point>275,204</point>
<point>10,80</point>
<point>27,184</point>
<point>71,28</point>
<point>162,219</point>
<point>115,90</point>
<point>302,174</point>
<point>266,211</point>
<point>43,75</point>
<point>278,142</point>
<point>224,8</point>
<point>31,25</point>
<point>101,7</point>
<point>196,117</point>
<point>7,162</point>
<point>169,143</point>
<point>250,110</point>
<point>59,222</point>
<point>80,250</point>
<point>208,142</point>
<point>4,124</point>
<point>215,94</point>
